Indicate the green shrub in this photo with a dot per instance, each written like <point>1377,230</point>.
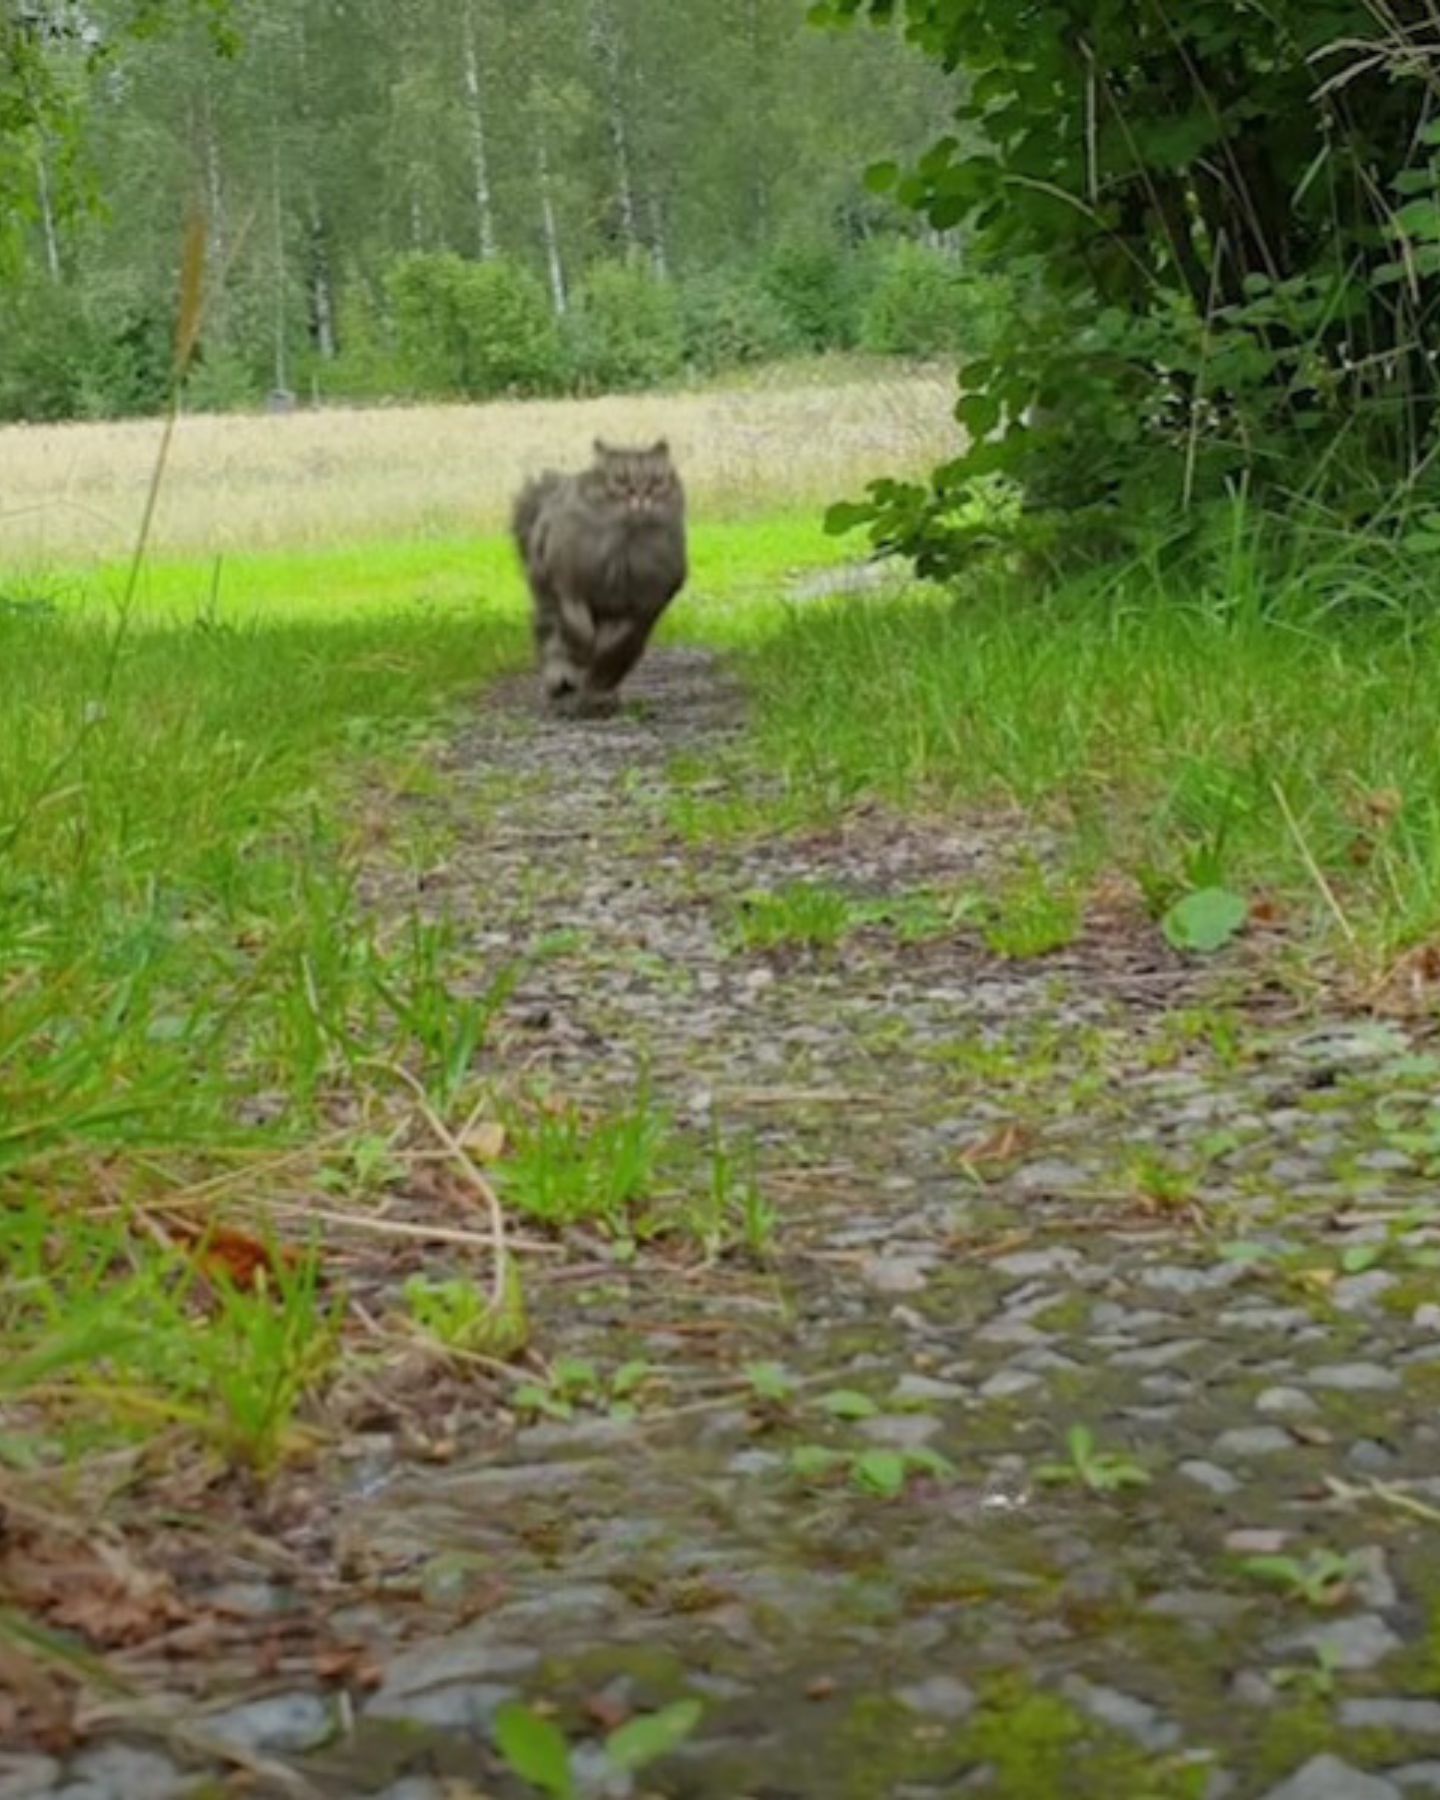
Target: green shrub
<point>730,320</point>
<point>477,329</point>
<point>625,329</point>
<point>222,380</point>
<point>367,365</point>
<point>917,303</point>
<point>818,289</point>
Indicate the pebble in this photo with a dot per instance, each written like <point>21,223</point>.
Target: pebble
<point>1354,1378</point>
<point>1006,1384</point>
<point>1361,1293</point>
<point>1210,1476</point>
<point>1358,1642</point>
<point>1253,1440</point>
<point>894,1274</point>
<point>1327,1778</point>
<point>1286,1402</point>
<point>286,1724</point>
<point>1123,1712</point>
<point>1414,1718</point>
<point>939,1697</point>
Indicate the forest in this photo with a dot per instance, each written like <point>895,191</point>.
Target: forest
<point>430,198</point>
<point>719,899</point>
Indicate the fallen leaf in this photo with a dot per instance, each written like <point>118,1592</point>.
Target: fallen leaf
<point>226,1251</point>
<point>487,1142</point>
<point>821,1688</point>
<point>1002,1145</point>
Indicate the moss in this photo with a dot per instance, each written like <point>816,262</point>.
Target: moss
<point>1038,1745</point>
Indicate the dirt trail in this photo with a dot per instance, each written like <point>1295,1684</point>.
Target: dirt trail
<point>1013,1197</point>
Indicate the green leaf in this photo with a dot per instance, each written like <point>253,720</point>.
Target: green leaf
<point>770,1380</point>
<point>880,177</point>
<point>846,515</point>
<point>1205,920</point>
<point>880,1472</point>
<point>812,1462</point>
<point>849,1403</point>
<point>642,1741</point>
<point>1360,1257</point>
<point>1241,1250</point>
<point>534,1749</point>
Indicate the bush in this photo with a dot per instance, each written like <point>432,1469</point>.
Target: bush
<point>818,289</point>
<point>367,365</point>
<point>625,329</point>
<point>924,303</point>
<point>221,380</point>
<point>477,329</point>
<point>731,320</point>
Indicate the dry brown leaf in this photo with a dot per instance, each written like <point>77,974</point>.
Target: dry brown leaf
<point>1002,1145</point>
<point>487,1142</point>
<point>226,1251</point>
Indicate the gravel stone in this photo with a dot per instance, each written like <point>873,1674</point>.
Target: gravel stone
<point>1358,1642</point>
<point>287,1724</point>
<point>1327,1778</point>
<point>1210,1476</point>
<point>1354,1378</point>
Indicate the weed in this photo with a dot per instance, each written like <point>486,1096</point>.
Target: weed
<point>565,1166</point>
<point>883,1474</point>
<point>1102,1471</point>
<point>1322,1578</point>
<point>535,1749</point>
<point>802,912</point>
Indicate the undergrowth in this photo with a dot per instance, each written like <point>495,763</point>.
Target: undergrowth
<point>1264,721</point>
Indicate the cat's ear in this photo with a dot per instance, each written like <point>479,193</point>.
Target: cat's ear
<point>661,447</point>
<point>602,449</point>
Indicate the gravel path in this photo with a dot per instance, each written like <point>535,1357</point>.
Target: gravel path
<point>1101,1188</point>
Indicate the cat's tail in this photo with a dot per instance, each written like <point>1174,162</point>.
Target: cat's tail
<point>529,504</point>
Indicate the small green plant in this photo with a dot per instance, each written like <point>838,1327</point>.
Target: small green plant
<point>1101,1471</point>
<point>1313,1681</point>
<point>1322,1579</point>
<point>884,1474</point>
<point>535,1749</point>
<point>771,1383</point>
<point>574,1381</point>
<point>801,912</point>
<point>462,1315</point>
<point>733,1212</point>
<point>565,1166</point>
<point>1031,917</point>
<point>1204,921</point>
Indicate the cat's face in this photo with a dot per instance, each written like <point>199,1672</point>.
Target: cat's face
<point>640,482</point>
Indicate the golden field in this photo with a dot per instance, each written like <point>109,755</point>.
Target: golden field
<point>74,493</point>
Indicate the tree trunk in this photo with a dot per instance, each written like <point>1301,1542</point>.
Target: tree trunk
<point>548,227</point>
<point>605,45</point>
<point>479,151</point>
<point>322,292</point>
<point>47,213</point>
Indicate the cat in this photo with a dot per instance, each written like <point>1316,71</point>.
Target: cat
<point>604,554</point>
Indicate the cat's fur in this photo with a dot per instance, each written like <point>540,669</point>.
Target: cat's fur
<point>604,554</point>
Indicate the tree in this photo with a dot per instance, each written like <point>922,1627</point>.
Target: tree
<point>1234,216</point>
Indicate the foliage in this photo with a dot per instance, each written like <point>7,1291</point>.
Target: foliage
<point>1235,224</point>
<point>817,289</point>
<point>922,302</point>
<point>731,319</point>
<point>1181,702</point>
<point>624,330</point>
<point>535,1748</point>
<point>477,329</point>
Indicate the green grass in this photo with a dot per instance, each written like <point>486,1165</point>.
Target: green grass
<point>190,981</point>
<point>1260,729</point>
<point>408,576</point>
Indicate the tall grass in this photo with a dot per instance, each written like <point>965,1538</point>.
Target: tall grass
<point>1266,720</point>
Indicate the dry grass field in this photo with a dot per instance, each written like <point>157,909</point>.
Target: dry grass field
<point>73,493</point>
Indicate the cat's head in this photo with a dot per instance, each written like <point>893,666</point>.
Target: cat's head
<point>639,481</point>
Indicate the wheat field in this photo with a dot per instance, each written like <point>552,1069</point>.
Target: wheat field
<point>74,493</point>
